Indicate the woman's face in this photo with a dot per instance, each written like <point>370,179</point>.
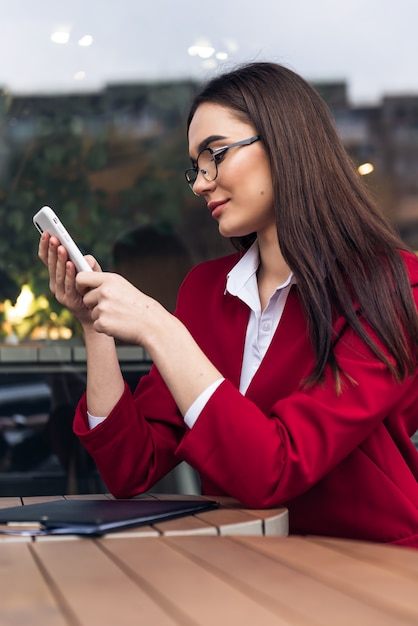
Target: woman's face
<point>241,196</point>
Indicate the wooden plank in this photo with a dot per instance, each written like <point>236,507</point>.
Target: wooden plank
<point>88,496</point>
<point>226,501</point>
<point>140,531</point>
<point>298,598</point>
<point>40,499</point>
<point>189,525</point>
<point>7,502</point>
<point>405,560</point>
<point>41,538</point>
<point>25,596</point>
<point>370,583</point>
<point>175,496</point>
<point>10,501</point>
<point>274,521</point>
<point>193,594</point>
<point>14,539</point>
<point>232,522</point>
<point>93,589</point>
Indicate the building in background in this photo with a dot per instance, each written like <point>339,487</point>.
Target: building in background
<point>384,140</point>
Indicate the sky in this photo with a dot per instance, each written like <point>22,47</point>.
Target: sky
<point>370,44</point>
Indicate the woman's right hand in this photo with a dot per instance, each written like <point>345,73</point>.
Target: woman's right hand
<point>62,274</point>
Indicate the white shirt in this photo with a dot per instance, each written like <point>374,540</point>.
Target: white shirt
<point>242,283</point>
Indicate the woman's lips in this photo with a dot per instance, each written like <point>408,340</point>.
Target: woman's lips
<point>215,207</point>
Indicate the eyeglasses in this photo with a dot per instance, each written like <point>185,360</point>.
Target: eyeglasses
<point>208,160</point>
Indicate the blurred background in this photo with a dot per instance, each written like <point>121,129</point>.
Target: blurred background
<point>93,101</point>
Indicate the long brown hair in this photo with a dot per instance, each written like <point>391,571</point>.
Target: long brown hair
<point>342,250</point>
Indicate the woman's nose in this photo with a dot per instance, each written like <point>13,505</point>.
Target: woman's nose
<point>202,185</point>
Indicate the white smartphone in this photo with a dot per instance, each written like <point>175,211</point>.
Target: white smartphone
<point>46,220</point>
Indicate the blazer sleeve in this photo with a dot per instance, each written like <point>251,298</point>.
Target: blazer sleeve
<point>135,445</point>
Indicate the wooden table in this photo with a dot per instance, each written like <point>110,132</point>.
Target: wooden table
<point>161,577</point>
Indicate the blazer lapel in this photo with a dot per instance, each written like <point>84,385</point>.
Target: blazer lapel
<point>288,359</point>
<point>233,339</point>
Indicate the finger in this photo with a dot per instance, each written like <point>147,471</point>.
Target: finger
<point>89,280</point>
<point>60,271</point>
<point>51,263</point>
<point>52,253</point>
<point>93,263</point>
<point>90,298</point>
<point>69,280</point>
<point>43,248</point>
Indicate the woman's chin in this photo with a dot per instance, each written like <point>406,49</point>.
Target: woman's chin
<point>229,231</point>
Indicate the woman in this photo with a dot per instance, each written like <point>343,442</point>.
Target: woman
<point>288,373</point>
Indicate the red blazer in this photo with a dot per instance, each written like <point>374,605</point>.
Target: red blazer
<point>343,465</point>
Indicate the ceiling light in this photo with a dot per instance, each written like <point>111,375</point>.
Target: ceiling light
<point>60,37</point>
<point>365,168</point>
<point>85,41</point>
<point>202,51</point>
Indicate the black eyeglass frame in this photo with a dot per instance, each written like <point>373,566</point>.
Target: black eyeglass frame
<point>192,173</point>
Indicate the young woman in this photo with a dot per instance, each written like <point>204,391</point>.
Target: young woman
<point>288,374</point>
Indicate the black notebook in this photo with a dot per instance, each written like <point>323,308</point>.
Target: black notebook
<point>94,517</point>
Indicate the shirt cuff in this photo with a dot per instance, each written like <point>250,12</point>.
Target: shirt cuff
<point>196,408</point>
<point>94,421</point>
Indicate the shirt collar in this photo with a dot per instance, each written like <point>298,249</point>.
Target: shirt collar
<point>242,279</point>
<point>243,271</point>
